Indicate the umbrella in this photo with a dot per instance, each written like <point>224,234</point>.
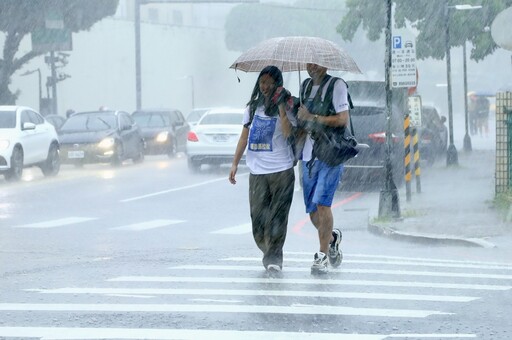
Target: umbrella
<point>293,53</point>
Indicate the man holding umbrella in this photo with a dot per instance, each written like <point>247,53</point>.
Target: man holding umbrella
<point>319,179</point>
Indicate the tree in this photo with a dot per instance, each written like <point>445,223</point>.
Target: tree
<point>427,17</point>
<point>21,17</point>
<point>249,24</point>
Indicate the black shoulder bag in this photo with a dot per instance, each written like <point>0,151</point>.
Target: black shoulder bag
<point>333,146</point>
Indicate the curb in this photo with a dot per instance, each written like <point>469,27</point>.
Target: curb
<point>394,234</point>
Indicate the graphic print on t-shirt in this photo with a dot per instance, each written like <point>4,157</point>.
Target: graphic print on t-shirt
<point>262,131</point>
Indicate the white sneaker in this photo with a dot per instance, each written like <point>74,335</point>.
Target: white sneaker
<point>335,254</point>
<point>273,270</point>
<point>319,264</point>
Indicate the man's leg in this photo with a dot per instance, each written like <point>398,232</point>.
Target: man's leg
<point>323,221</point>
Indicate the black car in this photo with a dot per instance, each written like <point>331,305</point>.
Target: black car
<point>164,131</point>
<point>432,134</point>
<point>101,137</point>
<point>370,124</point>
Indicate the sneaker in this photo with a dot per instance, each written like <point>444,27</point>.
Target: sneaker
<point>274,270</point>
<point>335,254</point>
<point>319,264</point>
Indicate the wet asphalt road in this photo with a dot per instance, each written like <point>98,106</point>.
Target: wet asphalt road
<point>151,251</point>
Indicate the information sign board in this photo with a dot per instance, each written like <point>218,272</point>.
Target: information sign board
<point>403,61</point>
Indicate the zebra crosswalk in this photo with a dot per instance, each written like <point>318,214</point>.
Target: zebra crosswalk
<point>72,221</point>
<point>227,294</point>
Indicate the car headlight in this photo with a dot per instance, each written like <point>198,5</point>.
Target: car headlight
<point>162,137</point>
<point>107,143</point>
<point>4,144</point>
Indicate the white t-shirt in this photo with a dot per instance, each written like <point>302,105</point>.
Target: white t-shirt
<point>268,150</point>
<point>340,103</point>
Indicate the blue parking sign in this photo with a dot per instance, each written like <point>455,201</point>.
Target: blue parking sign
<point>397,41</point>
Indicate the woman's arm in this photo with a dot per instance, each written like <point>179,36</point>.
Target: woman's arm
<point>240,149</point>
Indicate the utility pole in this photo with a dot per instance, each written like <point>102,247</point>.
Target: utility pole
<point>389,203</point>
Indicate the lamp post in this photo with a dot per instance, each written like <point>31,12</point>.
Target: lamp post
<point>451,155</point>
<point>467,138</point>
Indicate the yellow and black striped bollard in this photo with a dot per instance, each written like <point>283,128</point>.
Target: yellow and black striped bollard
<point>407,157</point>
<point>417,170</point>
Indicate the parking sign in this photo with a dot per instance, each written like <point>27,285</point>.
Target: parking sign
<point>403,60</point>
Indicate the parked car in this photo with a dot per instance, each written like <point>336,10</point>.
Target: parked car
<point>101,137</point>
<point>55,120</point>
<point>164,131</point>
<point>214,138</point>
<point>194,115</point>
<point>26,139</point>
<point>369,120</point>
<point>432,135</point>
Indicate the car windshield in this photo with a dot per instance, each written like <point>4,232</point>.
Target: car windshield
<point>151,120</point>
<point>90,122</point>
<point>222,118</point>
<point>7,119</point>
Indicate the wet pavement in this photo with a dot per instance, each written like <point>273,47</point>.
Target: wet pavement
<point>455,206</point>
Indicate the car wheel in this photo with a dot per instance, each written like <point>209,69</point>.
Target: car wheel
<point>194,166</point>
<point>16,170</point>
<point>117,157</point>
<point>51,166</point>
<point>172,148</point>
<point>139,158</point>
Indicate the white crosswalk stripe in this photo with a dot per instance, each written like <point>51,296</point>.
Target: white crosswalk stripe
<point>230,288</point>
<point>148,225</point>
<point>56,223</point>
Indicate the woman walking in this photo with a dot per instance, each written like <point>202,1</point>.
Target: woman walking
<point>267,124</point>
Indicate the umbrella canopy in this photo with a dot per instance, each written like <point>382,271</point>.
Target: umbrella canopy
<point>293,53</point>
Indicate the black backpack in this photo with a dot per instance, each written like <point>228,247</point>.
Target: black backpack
<point>333,145</point>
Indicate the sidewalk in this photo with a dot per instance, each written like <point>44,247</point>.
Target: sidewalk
<point>454,206</point>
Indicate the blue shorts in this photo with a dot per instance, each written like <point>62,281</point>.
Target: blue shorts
<point>320,187</point>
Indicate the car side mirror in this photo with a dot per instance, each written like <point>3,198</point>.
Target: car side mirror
<point>28,126</point>
<point>443,119</point>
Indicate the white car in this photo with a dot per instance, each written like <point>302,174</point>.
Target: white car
<point>214,138</point>
<point>26,139</point>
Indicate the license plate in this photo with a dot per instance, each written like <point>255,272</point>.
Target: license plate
<point>76,154</point>
<point>221,138</point>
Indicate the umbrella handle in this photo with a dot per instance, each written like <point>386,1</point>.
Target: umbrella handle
<point>300,83</point>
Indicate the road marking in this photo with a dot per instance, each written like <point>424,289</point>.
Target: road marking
<point>173,190</point>
<point>57,223</point>
<point>197,308</point>
<point>75,333</point>
<point>250,292</point>
<point>354,271</point>
<point>148,225</point>
<point>240,229</point>
<point>499,265</point>
<point>386,262</point>
<point>298,281</point>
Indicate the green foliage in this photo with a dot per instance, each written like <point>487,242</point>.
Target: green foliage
<point>428,18</point>
<point>249,24</point>
<point>21,17</point>
<point>503,201</point>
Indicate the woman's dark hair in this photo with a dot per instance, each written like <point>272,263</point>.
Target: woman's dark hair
<point>257,97</point>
